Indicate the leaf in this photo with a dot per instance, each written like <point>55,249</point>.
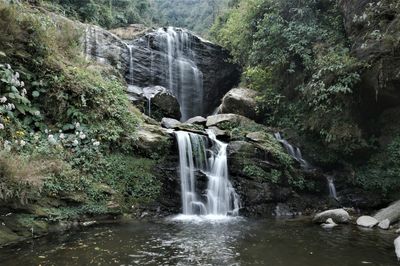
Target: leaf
<point>35,94</point>
<point>3,54</point>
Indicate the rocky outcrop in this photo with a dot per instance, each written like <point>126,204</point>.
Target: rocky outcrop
<point>241,101</point>
<point>374,30</point>
<point>156,101</point>
<point>148,57</point>
<point>367,221</point>
<point>337,215</point>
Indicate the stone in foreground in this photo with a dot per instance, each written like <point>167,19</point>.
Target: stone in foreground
<point>170,123</point>
<point>397,247</point>
<point>392,213</point>
<point>337,216</point>
<point>367,221</point>
<point>197,120</point>
<point>385,224</point>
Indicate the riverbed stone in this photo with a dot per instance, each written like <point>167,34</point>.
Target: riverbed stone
<point>397,247</point>
<point>391,213</point>
<point>337,215</point>
<point>367,221</point>
<point>385,224</point>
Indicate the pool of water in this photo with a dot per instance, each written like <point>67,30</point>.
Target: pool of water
<point>193,241</point>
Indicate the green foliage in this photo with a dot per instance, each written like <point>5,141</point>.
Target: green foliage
<point>296,54</point>
<point>254,171</point>
<point>382,172</point>
<point>106,13</point>
<point>195,15</point>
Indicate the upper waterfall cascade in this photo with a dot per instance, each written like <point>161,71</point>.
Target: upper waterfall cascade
<point>220,197</point>
<point>181,75</point>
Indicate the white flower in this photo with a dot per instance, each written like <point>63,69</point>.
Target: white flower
<point>8,66</point>
<point>51,140</point>
<point>37,113</point>
<point>36,137</point>
<point>24,92</point>
<point>22,84</point>
<point>62,136</point>
<point>10,106</point>
<point>3,99</point>
<point>96,143</point>
<point>82,136</point>
<point>7,145</point>
<point>22,143</point>
<point>77,124</point>
<point>1,126</point>
<point>46,131</point>
<point>60,131</point>
<point>75,143</point>
<point>16,75</point>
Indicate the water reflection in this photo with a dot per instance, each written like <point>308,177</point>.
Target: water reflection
<point>210,242</point>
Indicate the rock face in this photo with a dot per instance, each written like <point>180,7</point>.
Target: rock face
<point>374,29</point>
<point>367,221</point>
<point>337,215</point>
<point>240,101</point>
<point>195,71</point>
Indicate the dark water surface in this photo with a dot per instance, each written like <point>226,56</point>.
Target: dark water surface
<point>234,242</point>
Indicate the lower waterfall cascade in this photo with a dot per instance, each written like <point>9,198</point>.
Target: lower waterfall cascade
<point>220,198</point>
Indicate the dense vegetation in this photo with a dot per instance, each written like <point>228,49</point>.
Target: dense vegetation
<point>66,125</point>
<point>106,13</point>
<point>297,54</point>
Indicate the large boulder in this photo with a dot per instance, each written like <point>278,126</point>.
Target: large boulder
<point>240,101</point>
<point>367,221</point>
<point>337,215</point>
<point>162,102</point>
<point>153,139</point>
<point>391,213</point>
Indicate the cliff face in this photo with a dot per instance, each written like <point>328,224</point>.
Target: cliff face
<point>185,64</point>
<point>373,28</point>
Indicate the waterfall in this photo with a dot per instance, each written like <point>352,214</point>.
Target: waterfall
<point>294,152</point>
<point>131,76</point>
<point>220,196</point>
<point>183,78</point>
<point>331,186</point>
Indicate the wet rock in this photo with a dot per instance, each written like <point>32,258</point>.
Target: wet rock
<point>170,123</point>
<point>197,120</point>
<point>221,134</point>
<point>337,215</point>
<point>367,221</point>
<point>385,224</point>
<point>162,102</point>
<point>329,224</point>
<point>241,101</point>
<point>391,213</point>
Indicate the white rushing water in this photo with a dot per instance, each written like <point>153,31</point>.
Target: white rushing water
<point>220,199</point>
<point>294,152</point>
<point>183,77</point>
<point>331,186</point>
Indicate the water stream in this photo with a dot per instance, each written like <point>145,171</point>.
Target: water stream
<point>219,199</point>
<point>295,153</point>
